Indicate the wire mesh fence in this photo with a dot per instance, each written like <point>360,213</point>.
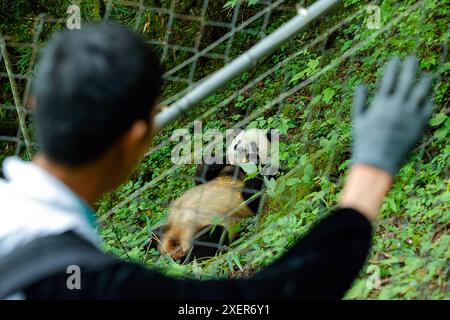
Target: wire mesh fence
<point>303,91</point>
<point>164,26</point>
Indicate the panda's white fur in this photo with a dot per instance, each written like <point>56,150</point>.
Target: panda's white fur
<point>249,146</point>
<point>221,200</point>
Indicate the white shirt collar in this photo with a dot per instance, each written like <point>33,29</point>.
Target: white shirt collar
<point>36,183</point>
<point>35,203</point>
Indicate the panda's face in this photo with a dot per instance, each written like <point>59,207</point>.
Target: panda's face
<point>246,155</point>
<point>176,240</point>
<point>249,146</point>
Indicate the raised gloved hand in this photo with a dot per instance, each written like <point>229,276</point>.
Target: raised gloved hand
<point>385,133</point>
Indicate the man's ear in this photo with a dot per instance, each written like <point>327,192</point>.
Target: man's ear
<point>157,109</point>
<point>31,103</point>
<point>137,135</point>
<point>160,108</point>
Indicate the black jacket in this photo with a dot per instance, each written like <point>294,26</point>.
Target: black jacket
<point>321,265</point>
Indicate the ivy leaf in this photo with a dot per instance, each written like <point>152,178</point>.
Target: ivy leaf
<point>312,65</point>
<point>344,165</point>
<point>412,264</point>
<point>292,182</point>
<point>325,143</point>
<point>230,4</point>
<point>298,76</point>
<point>438,119</point>
<point>441,133</point>
<point>316,99</point>
<point>249,168</point>
<point>328,94</point>
<point>392,205</point>
<point>307,173</point>
<point>270,184</point>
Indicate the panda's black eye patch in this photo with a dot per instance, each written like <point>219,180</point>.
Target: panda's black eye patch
<point>254,146</point>
<point>162,229</point>
<point>174,243</point>
<point>237,144</point>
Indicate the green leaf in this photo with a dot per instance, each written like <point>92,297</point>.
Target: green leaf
<point>249,168</point>
<point>447,123</point>
<point>307,173</point>
<point>270,184</point>
<point>438,119</point>
<point>344,165</point>
<point>312,65</point>
<point>413,263</point>
<point>236,260</point>
<point>230,4</point>
<point>441,133</point>
<point>328,94</point>
<point>316,99</point>
<point>325,143</point>
<point>392,205</point>
<point>293,181</point>
<point>298,76</point>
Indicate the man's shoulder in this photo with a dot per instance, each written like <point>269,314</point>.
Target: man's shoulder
<point>7,193</point>
<point>58,254</point>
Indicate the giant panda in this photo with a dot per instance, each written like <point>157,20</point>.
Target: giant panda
<point>202,215</point>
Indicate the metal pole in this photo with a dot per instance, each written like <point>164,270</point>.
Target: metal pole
<point>244,62</point>
<point>21,112</point>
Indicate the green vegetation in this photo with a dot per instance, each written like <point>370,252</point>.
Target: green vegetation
<point>411,245</point>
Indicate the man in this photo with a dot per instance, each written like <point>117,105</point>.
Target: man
<point>95,93</point>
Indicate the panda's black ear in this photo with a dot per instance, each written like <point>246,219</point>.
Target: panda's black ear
<point>159,231</point>
<point>214,237</point>
<point>269,136</point>
<point>207,172</point>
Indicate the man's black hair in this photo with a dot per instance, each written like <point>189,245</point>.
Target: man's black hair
<point>91,85</point>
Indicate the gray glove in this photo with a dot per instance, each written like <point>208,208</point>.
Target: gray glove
<point>385,133</point>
